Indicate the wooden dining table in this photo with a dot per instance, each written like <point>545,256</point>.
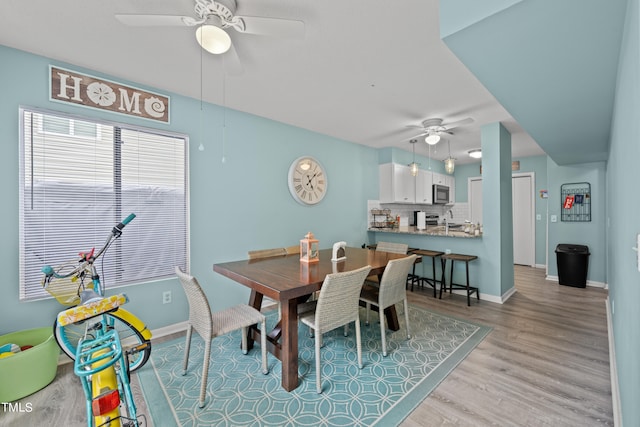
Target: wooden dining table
<point>287,280</point>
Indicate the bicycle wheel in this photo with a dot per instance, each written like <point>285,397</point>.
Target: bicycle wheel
<point>69,335</point>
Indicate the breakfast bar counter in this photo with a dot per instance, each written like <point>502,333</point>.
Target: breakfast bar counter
<point>431,230</point>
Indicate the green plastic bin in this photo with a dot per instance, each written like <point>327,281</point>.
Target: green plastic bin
<point>30,370</point>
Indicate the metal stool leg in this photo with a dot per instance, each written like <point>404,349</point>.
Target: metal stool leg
<point>443,264</point>
<point>468,295</point>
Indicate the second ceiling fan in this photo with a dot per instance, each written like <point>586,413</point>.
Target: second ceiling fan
<point>433,129</point>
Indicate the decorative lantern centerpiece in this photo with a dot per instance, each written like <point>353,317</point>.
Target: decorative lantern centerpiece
<point>309,249</point>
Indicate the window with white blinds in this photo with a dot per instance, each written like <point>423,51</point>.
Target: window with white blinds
<point>79,178</point>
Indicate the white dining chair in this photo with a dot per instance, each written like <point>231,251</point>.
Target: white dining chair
<point>394,248</point>
<point>337,306</point>
<point>210,325</point>
<point>392,290</point>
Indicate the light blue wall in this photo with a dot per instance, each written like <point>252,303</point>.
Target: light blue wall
<point>623,205</point>
<point>237,206</point>
<point>591,234</point>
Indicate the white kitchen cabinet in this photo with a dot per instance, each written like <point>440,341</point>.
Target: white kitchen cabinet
<point>424,187</point>
<point>397,185</point>
<point>439,178</point>
<point>450,182</point>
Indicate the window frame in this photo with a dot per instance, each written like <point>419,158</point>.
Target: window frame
<point>29,291</point>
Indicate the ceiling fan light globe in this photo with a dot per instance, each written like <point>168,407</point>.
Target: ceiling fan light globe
<point>432,139</point>
<point>213,39</point>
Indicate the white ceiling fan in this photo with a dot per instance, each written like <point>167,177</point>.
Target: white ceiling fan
<point>434,129</point>
<point>213,19</point>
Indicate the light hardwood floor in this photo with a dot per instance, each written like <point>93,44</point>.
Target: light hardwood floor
<point>545,363</point>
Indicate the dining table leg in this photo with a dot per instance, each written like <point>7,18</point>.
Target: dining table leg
<point>289,341</point>
<point>255,301</point>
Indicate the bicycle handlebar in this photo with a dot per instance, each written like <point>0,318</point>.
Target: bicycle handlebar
<point>115,233</point>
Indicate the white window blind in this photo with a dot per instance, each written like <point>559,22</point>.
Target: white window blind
<point>79,178</point>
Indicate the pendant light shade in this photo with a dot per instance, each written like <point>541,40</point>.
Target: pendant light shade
<point>213,39</point>
<point>449,165</point>
<point>449,162</point>
<point>413,166</point>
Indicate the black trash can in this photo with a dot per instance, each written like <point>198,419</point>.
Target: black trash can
<point>573,264</point>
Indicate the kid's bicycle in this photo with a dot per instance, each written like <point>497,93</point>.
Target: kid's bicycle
<point>105,341</point>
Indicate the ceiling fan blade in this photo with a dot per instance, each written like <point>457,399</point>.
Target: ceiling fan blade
<point>154,20</point>
<point>418,136</point>
<point>462,122</point>
<point>231,62</point>
<point>272,26</point>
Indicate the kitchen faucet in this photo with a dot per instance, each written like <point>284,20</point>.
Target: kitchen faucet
<point>446,223</point>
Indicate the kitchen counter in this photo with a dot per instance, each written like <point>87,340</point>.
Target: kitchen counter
<point>431,230</point>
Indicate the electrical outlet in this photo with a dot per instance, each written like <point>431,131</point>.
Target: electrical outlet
<point>166,297</point>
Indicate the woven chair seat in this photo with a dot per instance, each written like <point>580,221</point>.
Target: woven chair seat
<point>234,318</point>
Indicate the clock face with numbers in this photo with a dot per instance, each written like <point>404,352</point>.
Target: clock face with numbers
<point>307,181</point>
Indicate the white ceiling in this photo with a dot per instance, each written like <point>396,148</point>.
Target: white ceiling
<point>365,70</point>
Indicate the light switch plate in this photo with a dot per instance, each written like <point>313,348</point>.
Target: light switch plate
<point>554,218</point>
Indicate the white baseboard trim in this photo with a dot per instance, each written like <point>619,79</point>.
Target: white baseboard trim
<point>615,387</point>
<point>589,282</point>
<point>156,333</point>
<point>491,298</point>
<point>540,266</point>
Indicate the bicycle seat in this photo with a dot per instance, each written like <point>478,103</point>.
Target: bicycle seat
<point>91,309</point>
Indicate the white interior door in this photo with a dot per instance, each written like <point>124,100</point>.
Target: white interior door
<point>523,220</point>
<point>522,187</point>
<point>475,200</point>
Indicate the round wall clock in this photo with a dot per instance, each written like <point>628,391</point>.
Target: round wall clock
<point>307,181</point>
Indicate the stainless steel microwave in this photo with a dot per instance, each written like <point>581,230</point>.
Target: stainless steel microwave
<point>440,194</point>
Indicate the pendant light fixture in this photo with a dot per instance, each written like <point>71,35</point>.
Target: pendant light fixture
<point>414,167</point>
<point>449,162</point>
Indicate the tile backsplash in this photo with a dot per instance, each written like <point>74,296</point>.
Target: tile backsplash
<point>460,211</point>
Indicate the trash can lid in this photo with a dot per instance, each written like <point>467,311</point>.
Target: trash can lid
<point>570,248</point>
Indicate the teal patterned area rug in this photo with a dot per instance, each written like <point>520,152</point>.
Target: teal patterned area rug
<point>383,393</point>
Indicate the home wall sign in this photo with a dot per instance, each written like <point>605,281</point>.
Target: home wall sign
<point>87,91</point>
